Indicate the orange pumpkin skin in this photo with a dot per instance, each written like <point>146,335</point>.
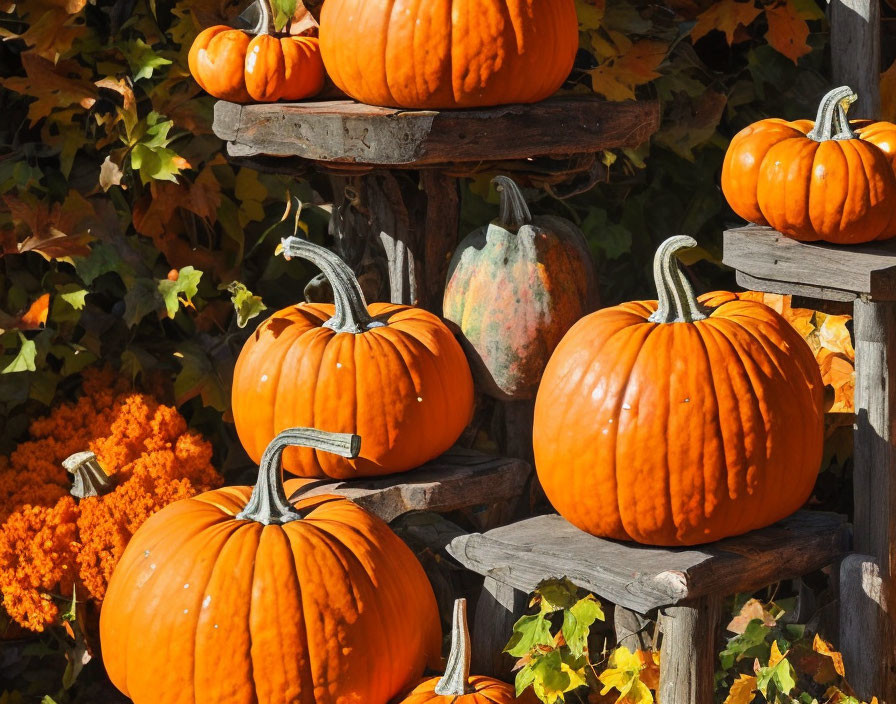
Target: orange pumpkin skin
<point>449,53</point>
<point>405,387</point>
<point>485,690</point>
<point>207,607</point>
<point>679,433</point>
<point>811,181</point>
<point>217,61</point>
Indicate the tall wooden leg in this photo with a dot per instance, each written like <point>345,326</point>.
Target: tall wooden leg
<point>860,621</point>
<point>499,607</point>
<point>875,501</point>
<point>688,656</point>
<point>632,629</point>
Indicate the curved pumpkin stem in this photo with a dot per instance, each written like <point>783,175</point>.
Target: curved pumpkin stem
<point>351,309</point>
<point>89,477</point>
<point>268,504</point>
<point>677,302</point>
<point>831,121</point>
<point>514,210</point>
<point>265,24</point>
<point>456,680</point>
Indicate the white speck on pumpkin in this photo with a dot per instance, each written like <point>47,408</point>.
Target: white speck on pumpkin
<point>146,553</point>
<point>610,421</point>
<point>152,567</point>
<point>419,399</point>
<point>206,602</point>
<point>626,407</point>
<point>186,586</point>
<point>264,377</point>
<point>186,611</point>
<point>216,625</point>
<point>339,365</point>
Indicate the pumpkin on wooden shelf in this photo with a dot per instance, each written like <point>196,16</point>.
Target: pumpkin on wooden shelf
<point>830,180</point>
<point>514,288</point>
<point>456,686</point>
<point>441,55</point>
<point>393,374</point>
<point>235,595</point>
<point>673,423</point>
<point>260,66</point>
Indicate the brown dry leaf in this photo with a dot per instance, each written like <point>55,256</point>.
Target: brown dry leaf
<point>787,30</point>
<point>617,78</point>
<point>725,16</point>
<point>751,611</point>
<point>742,690</point>
<point>305,18</point>
<point>57,85</point>
<point>51,26</point>
<point>58,231</point>
<point>821,646</point>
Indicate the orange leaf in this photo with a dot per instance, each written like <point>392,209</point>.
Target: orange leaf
<point>821,646</point>
<point>742,690</point>
<point>617,78</point>
<point>57,85</point>
<point>751,611</point>
<point>36,315</point>
<point>725,16</point>
<point>838,373</point>
<point>787,31</point>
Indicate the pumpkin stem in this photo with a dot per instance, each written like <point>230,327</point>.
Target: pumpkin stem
<point>514,210</point>
<point>89,477</point>
<point>456,680</point>
<point>268,504</point>
<point>677,302</point>
<point>351,309</point>
<point>265,23</point>
<point>831,122</point>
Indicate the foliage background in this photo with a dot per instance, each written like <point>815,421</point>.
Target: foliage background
<point>122,225</point>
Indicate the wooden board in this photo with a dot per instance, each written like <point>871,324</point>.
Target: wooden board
<point>458,479</point>
<point>643,578</point>
<point>348,132</point>
<point>855,52</point>
<point>811,268</point>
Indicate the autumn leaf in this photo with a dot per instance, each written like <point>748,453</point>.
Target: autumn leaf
<point>752,610</point>
<point>742,690</point>
<point>180,289</point>
<point>787,30</point>
<point>617,78</point>
<point>58,85</point>
<point>725,16</point>
<point>56,231</point>
<point>246,304</point>
<point>624,675</point>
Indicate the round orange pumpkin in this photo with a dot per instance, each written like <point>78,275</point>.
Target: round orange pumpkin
<point>671,423</point>
<point>236,596</point>
<point>812,181</point>
<point>457,686</point>
<point>449,53</point>
<point>393,374</point>
<point>234,65</point>
<point>514,288</point>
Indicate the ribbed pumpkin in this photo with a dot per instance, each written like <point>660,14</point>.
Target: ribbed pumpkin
<point>232,597</point>
<point>243,67</point>
<point>668,423</point>
<point>457,686</point>
<point>449,53</point>
<point>514,288</point>
<point>813,181</point>
<point>393,374</point>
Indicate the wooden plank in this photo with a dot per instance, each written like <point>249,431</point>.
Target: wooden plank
<point>688,653</point>
<point>642,578</point>
<point>458,479</point>
<point>855,52</point>
<point>499,607</point>
<point>816,293</point>
<point>765,254</point>
<point>874,489</point>
<point>349,132</point>
<point>862,610</point>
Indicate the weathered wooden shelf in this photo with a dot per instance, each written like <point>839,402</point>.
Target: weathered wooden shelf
<point>458,479</point>
<point>686,584</point>
<point>343,131</point>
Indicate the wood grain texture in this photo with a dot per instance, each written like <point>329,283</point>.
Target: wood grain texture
<point>499,607</point>
<point>642,578</point>
<point>458,479</point>
<point>633,630</point>
<point>862,613</point>
<point>765,254</point>
<point>349,132</point>
<point>855,52</point>
<point>688,653</point>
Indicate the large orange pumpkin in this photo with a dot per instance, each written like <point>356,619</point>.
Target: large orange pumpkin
<point>514,288</point>
<point>449,53</point>
<point>393,374</point>
<point>813,181</point>
<point>457,686</point>
<point>243,67</point>
<point>237,596</point>
<point>670,423</point>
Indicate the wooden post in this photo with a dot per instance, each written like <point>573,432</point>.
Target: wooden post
<point>688,653</point>
<point>860,621</point>
<point>855,52</point>
<point>875,463</point>
<point>499,607</point>
<point>632,629</point>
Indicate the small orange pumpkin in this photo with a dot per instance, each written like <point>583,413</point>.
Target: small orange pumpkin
<point>234,65</point>
<point>814,181</point>
<point>457,686</point>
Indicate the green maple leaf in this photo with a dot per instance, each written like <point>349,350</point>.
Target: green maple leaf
<point>577,622</point>
<point>24,361</point>
<point>247,304</point>
<point>529,632</point>
<point>143,60</point>
<point>186,285</point>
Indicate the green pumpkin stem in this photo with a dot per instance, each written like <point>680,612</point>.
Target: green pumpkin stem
<point>456,680</point>
<point>677,302</point>
<point>514,210</point>
<point>351,309</point>
<point>88,476</point>
<point>268,504</point>
<point>831,122</point>
<point>265,24</point>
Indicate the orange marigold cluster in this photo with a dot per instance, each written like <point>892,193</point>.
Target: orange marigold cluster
<point>50,543</point>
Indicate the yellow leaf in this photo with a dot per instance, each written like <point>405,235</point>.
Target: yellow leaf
<point>725,16</point>
<point>775,656</point>
<point>821,646</point>
<point>787,31</point>
<point>742,690</point>
<point>617,78</point>
<point>590,13</point>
